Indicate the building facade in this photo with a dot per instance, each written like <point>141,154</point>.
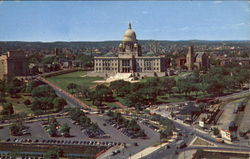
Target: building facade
<point>196,61</point>
<point>130,60</point>
<point>13,63</point>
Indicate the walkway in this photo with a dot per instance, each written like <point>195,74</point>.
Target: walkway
<point>67,96</point>
<point>121,105</point>
<point>151,149</point>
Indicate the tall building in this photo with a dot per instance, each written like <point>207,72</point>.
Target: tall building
<point>13,63</point>
<point>190,58</point>
<point>130,60</point>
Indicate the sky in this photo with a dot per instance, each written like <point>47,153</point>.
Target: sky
<point>49,21</point>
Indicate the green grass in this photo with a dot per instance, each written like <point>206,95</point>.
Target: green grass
<point>89,103</point>
<point>74,77</point>
<point>180,75</point>
<point>180,97</point>
<point>145,79</point>
<point>111,104</point>
<point>18,105</point>
<point>202,142</point>
<point>122,100</point>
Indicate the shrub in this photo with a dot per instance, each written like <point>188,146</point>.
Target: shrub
<point>27,102</point>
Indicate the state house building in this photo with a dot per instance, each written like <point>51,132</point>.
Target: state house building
<point>130,60</point>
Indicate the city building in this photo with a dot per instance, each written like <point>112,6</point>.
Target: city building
<point>130,60</point>
<point>236,60</point>
<point>13,63</point>
<point>196,61</point>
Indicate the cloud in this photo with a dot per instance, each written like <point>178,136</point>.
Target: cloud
<point>217,2</point>
<point>240,24</point>
<point>145,12</point>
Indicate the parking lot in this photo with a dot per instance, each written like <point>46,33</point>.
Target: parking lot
<point>39,135</point>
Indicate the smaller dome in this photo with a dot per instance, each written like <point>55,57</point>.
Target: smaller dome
<point>129,35</point>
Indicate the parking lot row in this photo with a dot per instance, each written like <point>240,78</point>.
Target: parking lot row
<point>63,142</point>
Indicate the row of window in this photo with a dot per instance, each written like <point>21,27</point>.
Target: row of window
<point>126,69</point>
<point>105,68</point>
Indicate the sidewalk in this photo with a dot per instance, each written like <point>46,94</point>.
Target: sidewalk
<point>109,152</point>
<point>151,149</point>
<point>147,151</point>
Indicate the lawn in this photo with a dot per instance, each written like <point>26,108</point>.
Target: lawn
<point>73,77</point>
<point>201,142</point>
<point>18,105</point>
<point>78,78</point>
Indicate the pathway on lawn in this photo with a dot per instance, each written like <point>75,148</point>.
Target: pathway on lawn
<point>67,96</point>
<point>121,105</point>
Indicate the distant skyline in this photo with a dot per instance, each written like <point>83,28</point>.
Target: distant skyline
<point>49,21</point>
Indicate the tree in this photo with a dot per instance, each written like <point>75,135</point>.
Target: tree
<point>13,91</point>
<point>134,98</point>
<point>53,121</point>
<point>83,91</point>
<point>101,93</point>
<point>87,61</point>
<point>52,129</point>
<point>132,125</point>
<point>165,133</point>
<point>27,102</point>
<point>105,91</point>
<point>42,103</point>
<point>120,87</point>
<point>16,128</point>
<point>168,84</point>
<point>72,87</point>
<point>184,85</point>
<point>84,121</point>
<point>65,130</point>
<point>48,59</point>
<point>59,103</point>
<point>43,91</point>
<point>3,88</point>
<point>7,109</point>
<point>216,131</point>
<point>149,94</point>
<point>76,113</point>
